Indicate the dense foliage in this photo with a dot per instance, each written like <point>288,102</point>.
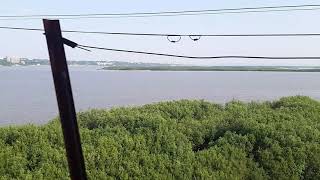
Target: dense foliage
<point>5,63</point>
<point>165,67</point>
<point>176,140</point>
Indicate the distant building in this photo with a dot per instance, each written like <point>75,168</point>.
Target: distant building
<point>24,59</point>
<point>13,60</point>
<point>103,63</point>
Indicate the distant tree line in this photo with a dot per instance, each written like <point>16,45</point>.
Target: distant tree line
<point>214,68</point>
<point>176,140</point>
<point>5,63</point>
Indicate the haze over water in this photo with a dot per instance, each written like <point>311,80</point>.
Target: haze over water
<point>27,93</point>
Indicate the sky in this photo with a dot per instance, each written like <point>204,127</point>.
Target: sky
<point>33,44</point>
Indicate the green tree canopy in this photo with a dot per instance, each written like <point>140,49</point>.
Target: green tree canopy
<point>176,140</point>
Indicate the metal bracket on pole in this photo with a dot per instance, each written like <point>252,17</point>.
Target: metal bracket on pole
<point>63,90</point>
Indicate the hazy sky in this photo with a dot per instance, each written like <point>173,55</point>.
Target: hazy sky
<point>33,45</point>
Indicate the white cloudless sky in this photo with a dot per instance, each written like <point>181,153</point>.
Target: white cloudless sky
<point>33,45</point>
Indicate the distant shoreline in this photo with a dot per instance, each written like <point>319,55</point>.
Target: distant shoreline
<point>140,66</point>
<point>215,68</point>
<point>197,68</point>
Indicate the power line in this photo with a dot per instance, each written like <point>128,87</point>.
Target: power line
<point>183,56</point>
<point>201,57</point>
<point>170,35</point>
<point>168,13</point>
<point>171,12</point>
<point>160,15</point>
<point>202,35</point>
<point>21,28</point>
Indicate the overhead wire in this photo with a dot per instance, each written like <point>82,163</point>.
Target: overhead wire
<point>86,47</point>
<point>165,34</point>
<point>170,12</point>
<point>309,7</point>
<point>202,57</point>
<point>194,37</point>
<point>21,28</point>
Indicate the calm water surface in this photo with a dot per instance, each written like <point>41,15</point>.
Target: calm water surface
<point>27,93</point>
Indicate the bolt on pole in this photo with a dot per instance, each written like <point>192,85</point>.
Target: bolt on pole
<point>64,96</point>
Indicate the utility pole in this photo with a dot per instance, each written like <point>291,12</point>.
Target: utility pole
<point>63,90</point>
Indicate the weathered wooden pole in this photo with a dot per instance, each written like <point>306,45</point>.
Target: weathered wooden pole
<point>63,90</point>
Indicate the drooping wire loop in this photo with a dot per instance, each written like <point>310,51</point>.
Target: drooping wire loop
<point>174,38</point>
<point>195,37</point>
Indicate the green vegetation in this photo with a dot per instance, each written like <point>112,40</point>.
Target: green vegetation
<point>5,63</point>
<point>176,140</point>
<point>215,68</point>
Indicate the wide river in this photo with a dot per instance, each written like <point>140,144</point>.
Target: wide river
<point>27,94</point>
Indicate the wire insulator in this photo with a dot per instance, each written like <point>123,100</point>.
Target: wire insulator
<point>195,37</point>
<point>169,37</point>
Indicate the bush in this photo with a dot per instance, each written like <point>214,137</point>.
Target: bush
<point>176,140</point>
